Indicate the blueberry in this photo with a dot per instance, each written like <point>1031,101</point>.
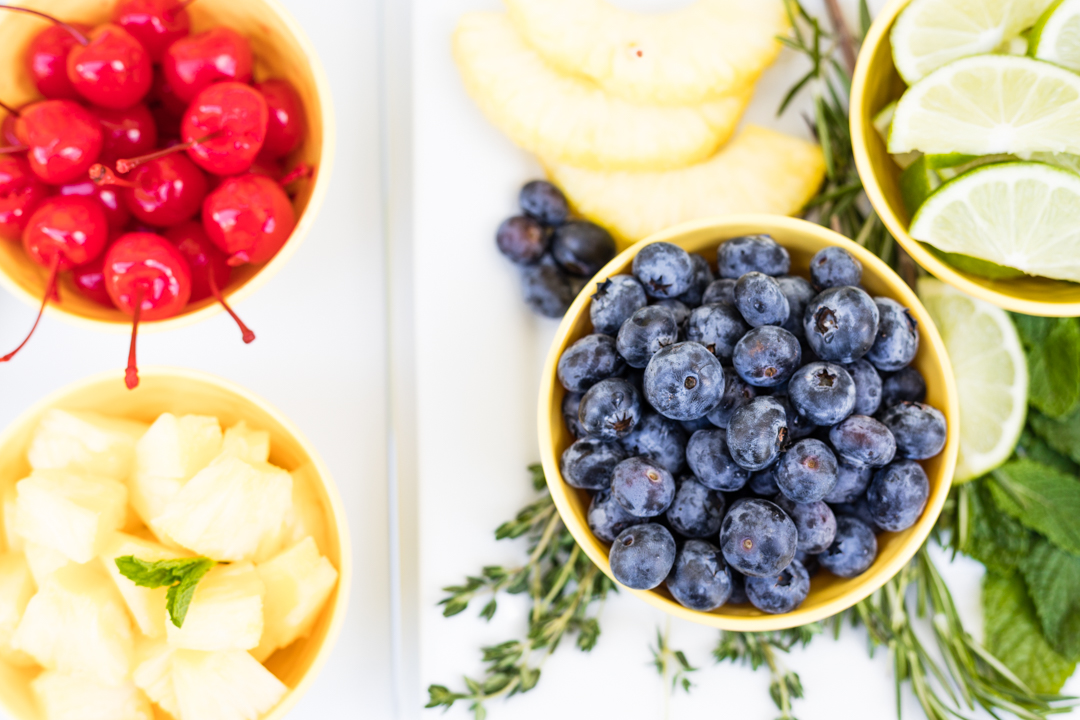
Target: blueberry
<point>867,387</point>
<point>738,588</point>
<point>664,270</point>
<point>841,324</point>
<point>905,385</point>
<point>919,430</point>
<point>703,277</point>
<point>823,393</point>
<point>808,561</point>
<point>807,472</point>
<point>763,483</point>
<point>692,426</point>
<point>758,538</point>
<point>860,510</point>
<point>642,486</point>
<point>588,361</point>
<point>589,463</point>
<point>658,438</point>
<point>736,394</point>
<point>760,300</point>
<point>851,483</point>
<point>607,518</point>
<point>678,309</point>
<point>767,356</point>
<point>752,253</point>
<point>862,440</point>
<point>610,409</point>
<point>641,556</point>
<point>814,522</point>
<point>799,292</point>
<point>545,202</point>
<point>615,300</point>
<point>799,426</point>
<point>582,248</point>
<point>645,332</point>
<point>780,594</point>
<point>897,336</point>
<point>897,495</point>
<point>834,267</point>
<point>548,290</point>
<point>696,510</point>
<point>570,404</point>
<point>709,459</point>
<point>684,381</point>
<point>522,239</point>
<point>757,433</point>
<point>720,291</point>
<point>853,551</point>
<point>700,579</point>
<point>717,326</point>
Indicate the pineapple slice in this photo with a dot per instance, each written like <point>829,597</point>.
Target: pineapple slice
<point>569,119</point>
<point>86,443</point>
<point>298,582</point>
<point>146,605</point>
<point>15,542</point>
<point>44,561</point>
<point>306,517</point>
<point>761,171</point>
<point>228,685</point>
<point>75,697</point>
<point>226,612</point>
<point>153,673</point>
<point>77,624</point>
<point>171,452</point>
<point>68,513</point>
<point>249,445</point>
<point>16,589</point>
<point>684,57</point>
<point>231,510</point>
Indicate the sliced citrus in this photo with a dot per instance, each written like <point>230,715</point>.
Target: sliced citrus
<point>1056,38</point>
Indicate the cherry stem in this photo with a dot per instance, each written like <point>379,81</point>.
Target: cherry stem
<point>248,335</point>
<point>9,149</point>
<point>50,291</point>
<point>11,110</point>
<point>301,171</point>
<point>79,37</point>
<point>102,175</point>
<point>131,375</point>
<point>129,164</point>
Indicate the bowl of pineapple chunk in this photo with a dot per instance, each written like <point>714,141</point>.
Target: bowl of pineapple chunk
<point>177,551</point>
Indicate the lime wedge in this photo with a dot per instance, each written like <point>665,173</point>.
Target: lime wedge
<point>991,375</point>
<point>883,119</point>
<point>1023,215</point>
<point>1065,161</point>
<point>975,266</point>
<point>918,182</point>
<point>932,33</point>
<point>990,104</point>
<point>1056,38</point>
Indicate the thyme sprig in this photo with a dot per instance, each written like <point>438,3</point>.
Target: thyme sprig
<point>760,649</point>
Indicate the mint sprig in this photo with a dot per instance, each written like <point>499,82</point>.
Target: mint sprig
<point>181,576</point>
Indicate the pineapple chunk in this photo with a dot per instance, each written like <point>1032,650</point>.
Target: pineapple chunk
<point>298,582</point>
<point>153,673</point>
<point>231,510</point>
<point>85,442</point>
<point>167,456</point>
<point>77,624</point>
<point>16,589</point>
<point>71,514</point>
<point>74,697</point>
<point>306,517</point>
<point>249,445</point>
<point>15,542</point>
<point>44,561</point>
<point>147,605</point>
<point>226,612</point>
<point>229,685</point>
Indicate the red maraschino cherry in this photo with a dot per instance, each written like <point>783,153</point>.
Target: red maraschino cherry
<point>126,133</point>
<point>89,280</point>
<point>287,125</point>
<point>62,233</point>
<point>249,218</point>
<point>62,138</point>
<point>216,55</point>
<point>157,24</point>
<point>46,60</point>
<point>149,279</point>
<point>161,192</point>
<point>20,194</point>
<point>209,270</point>
<point>116,211</point>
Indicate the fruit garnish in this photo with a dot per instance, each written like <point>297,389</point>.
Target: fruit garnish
<point>156,24</point>
<point>20,193</point>
<point>180,576</point>
<point>46,60</point>
<point>249,218</point>
<point>193,63</point>
<point>62,138</point>
<point>1056,37</point>
<point>287,124</point>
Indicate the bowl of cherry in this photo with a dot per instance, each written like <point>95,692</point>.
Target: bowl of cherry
<point>160,160</point>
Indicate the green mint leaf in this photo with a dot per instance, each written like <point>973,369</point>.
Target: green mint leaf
<point>1063,435</point>
<point>1053,354</point>
<point>1053,577</point>
<point>179,596</point>
<point>1014,635</point>
<point>1033,447</point>
<point>992,537</point>
<point>181,576</point>
<point>1041,498</point>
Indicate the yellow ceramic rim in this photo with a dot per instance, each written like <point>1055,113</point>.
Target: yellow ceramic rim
<point>336,509</point>
<point>860,587</point>
<point>272,268</point>
<point>862,133</point>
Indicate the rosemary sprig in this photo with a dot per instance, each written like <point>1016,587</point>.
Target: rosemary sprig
<point>672,666</point>
<point>760,649</point>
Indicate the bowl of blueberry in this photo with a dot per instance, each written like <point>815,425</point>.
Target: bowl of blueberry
<point>749,422</point>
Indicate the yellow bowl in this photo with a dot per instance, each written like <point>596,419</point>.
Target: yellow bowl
<point>281,50</point>
<point>828,594</point>
<point>186,391</point>
<point>875,85</point>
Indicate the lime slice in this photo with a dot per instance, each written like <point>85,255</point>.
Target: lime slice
<point>948,172</point>
<point>991,375</point>
<point>1022,215</point>
<point>975,266</point>
<point>990,104</point>
<point>917,183</point>
<point>883,119</point>
<point>1065,161</point>
<point>1056,38</point>
<point>932,33</point>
